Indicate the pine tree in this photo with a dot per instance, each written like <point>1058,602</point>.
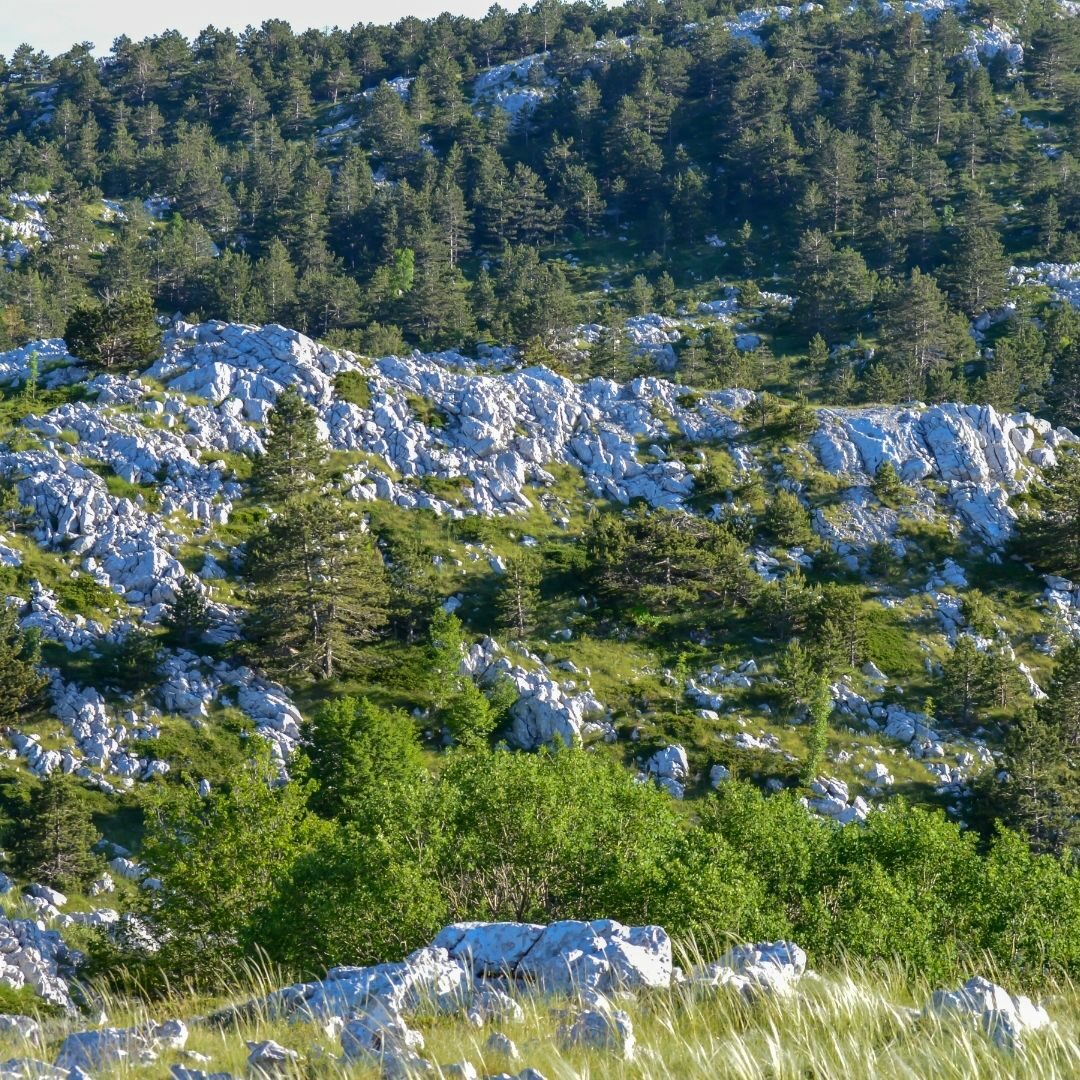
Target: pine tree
<point>275,281</point>
<point>1043,761</point>
<point>318,588</point>
<point>1050,536</point>
<point>121,329</point>
<point>964,681</point>
<point>136,664</point>
<point>801,418</point>
<point>294,461</point>
<point>187,618</point>
<point>20,680</point>
<point>921,335</point>
<point>796,673</point>
<point>787,520</point>
<point>54,845</point>
<point>1050,227</point>
<point>887,485</point>
<point>446,651</point>
<point>519,594</point>
<point>438,302</point>
<point>413,581</point>
<point>978,270</point>
<point>611,354</point>
<point>1040,792</point>
<point>640,296</point>
<point>817,355</point>
<point>839,630</point>
<point>1061,709</point>
<point>1002,677</point>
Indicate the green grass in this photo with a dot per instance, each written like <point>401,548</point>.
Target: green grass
<point>852,1020</point>
<point>353,387</point>
<point>119,488</point>
<point>426,411</point>
<point>82,595</point>
<point>892,644</point>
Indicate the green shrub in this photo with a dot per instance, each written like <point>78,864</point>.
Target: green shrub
<point>82,595</point>
<point>353,387</point>
<point>427,412</point>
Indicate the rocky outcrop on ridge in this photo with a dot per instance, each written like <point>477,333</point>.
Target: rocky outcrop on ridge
<point>981,456</point>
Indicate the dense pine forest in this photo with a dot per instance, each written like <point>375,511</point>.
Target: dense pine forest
<point>392,185</point>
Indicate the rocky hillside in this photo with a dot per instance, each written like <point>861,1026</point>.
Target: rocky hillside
<point>481,491</point>
<point>134,483</point>
<point>129,491</point>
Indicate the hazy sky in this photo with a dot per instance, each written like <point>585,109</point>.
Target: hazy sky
<point>55,25</point>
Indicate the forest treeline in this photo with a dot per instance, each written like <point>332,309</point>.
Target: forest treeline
<point>865,160</point>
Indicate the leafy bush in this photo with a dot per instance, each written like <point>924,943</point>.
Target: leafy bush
<point>353,387</point>
<point>569,834</point>
<point>82,595</point>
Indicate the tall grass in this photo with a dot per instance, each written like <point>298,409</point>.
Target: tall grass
<point>854,1020</point>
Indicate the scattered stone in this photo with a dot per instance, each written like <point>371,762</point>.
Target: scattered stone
<point>465,1069</point>
<point>597,1029</point>
<point>269,1058</point>
<point>378,1031</point>
<point>32,1069</point>
<point>498,1043</point>
<point>1005,1018</point>
<point>23,1027</point>
<point>182,1072</point>
<point>765,968</point>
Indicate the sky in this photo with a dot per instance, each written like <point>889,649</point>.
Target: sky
<point>55,25</point>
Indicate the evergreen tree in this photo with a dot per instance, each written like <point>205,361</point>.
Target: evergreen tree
<point>519,594</point>
<point>117,331</point>
<point>1050,536</point>
<point>820,708</point>
<point>921,335</point>
<point>797,675</point>
<point>446,651</point>
<point>978,270</point>
<point>817,355</point>
<point>274,280</point>
<point>413,580</point>
<point>137,660</point>
<point>786,520</point>
<point>887,486</point>
<point>964,681</point>
<point>1040,792</point>
<point>839,626</point>
<point>1061,709</point>
<point>187,618</point>
<point>20,652</point>
<point>318,588</point>
<point>56,837</point>
<point>294,461</point>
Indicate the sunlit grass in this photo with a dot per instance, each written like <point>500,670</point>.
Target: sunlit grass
<point>855,1020</point>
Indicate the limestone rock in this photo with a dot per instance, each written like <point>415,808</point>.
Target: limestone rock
<point>600,1029</point>
<point>268,1058</point>
<point>498,1043</point>
<point>1005,1018</point>
<point>766,968</point>
<point>378,1031</point>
